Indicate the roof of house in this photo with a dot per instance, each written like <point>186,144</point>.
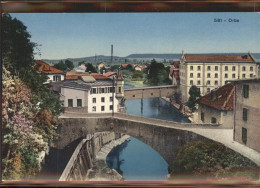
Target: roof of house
<point>224,99</point>
<point>218,58</point>
<point>88,78</point>
<point>99,76</point>
<point>107,74</point>
<point>74,75</point>
<point>85,85</point>
<point>46,68</point>
<point>124,64</point>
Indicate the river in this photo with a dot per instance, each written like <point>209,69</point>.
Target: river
<point>136,160</point>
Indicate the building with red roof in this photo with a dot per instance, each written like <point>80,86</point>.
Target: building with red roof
<point>210,71</point>
<point>54,75</point>
<point>217,106</point>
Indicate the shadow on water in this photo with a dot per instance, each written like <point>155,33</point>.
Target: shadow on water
<point>113,159</point>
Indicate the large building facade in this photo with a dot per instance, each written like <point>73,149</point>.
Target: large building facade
<point>211,71</point>
<point>247,113</point>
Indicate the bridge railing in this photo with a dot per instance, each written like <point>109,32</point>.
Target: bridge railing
<point>150,87</point>
<point>164,122</point>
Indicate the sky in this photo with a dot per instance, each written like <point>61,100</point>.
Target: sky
<point>72,35</point>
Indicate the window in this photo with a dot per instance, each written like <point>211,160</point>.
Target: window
<point>216,68</point>
<point>243,68</point>
<point>102,108</point>
<point>198,82</point>
<point>251,75</point>
<point>94,109</point>
<point>119,89</point>
<point>233,68</point>
<point>208,90</point>
<point>94,90</point>
<point>111,99</point>
<point>245,111</point>
<point>70,102</point>
<point>213,120</point>
<point>94,100</point>
<point>208,75</point>
<point>53,78</point>
<point>102,90</point>
<point>111,107</point>
<point>191,82</point>
<point>202,116</point>
<point>191,75</point>
<point>233,75</point>
<point>79,102</point>
<point>198,75</point>
<point>102,99</point>
<point>208,82</point>
<point>133,95</point>
<point>243,75</point>
<point>208,68</point>
<point>244,135</point>
<point>245,91</point>
<point>151,94</point>
<point>216,75</point>
<point>226,68</point>
<point>198,67</point>
<point>216,83</point>
<point>251,68</point>
<point>226,75</point>
<point>191,67</point>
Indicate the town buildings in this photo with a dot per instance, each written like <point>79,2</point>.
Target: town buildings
<point>54,75</point>
<point>210,71</point>
<point>247,113</point>
<point>92,93</point>
<point>216,107</point>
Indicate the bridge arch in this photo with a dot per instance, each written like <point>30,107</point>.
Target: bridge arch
<point>162,139</point>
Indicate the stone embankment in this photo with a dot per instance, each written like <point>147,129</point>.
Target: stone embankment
<point>88,161</point>
<point>100,170</point>
<point>182,108</point>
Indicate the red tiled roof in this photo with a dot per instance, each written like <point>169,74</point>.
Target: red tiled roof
<point>219,58</point>
<point>99,76</point>
<point>74,75</point>
<point>124,64</point>
<point>107,74</point>
<point>46,68</point>
<point>224,98</point>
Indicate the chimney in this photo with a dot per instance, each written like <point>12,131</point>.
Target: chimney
<point>104,71</point>
<point>111,55</point>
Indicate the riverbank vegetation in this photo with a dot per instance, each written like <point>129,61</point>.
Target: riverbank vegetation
<point>29,108</point>
<point>157,74</point>
<point>211,159</point>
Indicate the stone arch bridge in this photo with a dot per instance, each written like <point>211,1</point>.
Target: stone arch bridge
<point>163,136</point>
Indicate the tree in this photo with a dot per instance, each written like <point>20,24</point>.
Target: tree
<point>114,67</point>
<point>30,108</point>
<point>91,68</point>
<point>194,93</point>
<point>17,49</point>
<point>158,74</point>
<point>69,64</point>
<point>61,66</point>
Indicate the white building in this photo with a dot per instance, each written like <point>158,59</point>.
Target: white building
<point>54,75</point>
<point>217,107</point>
<point>210,71</point>
<point>90,94</point>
